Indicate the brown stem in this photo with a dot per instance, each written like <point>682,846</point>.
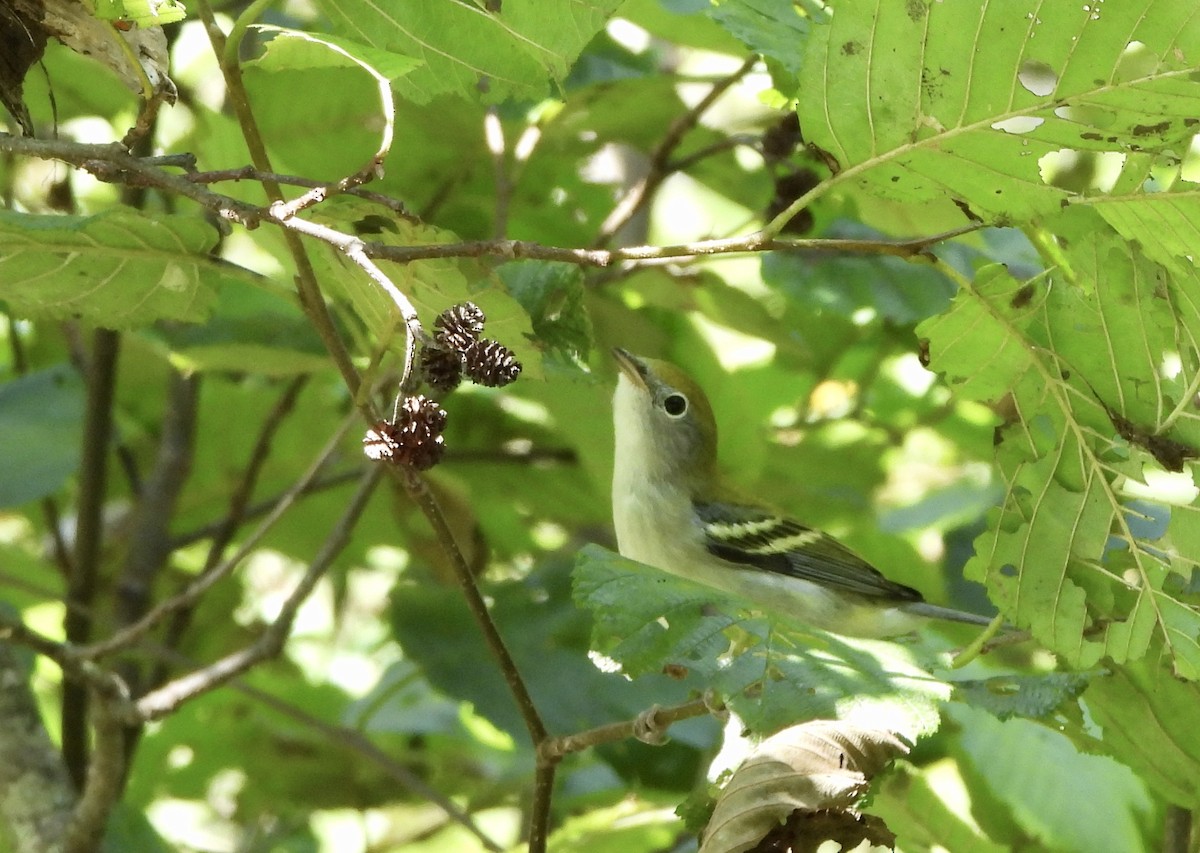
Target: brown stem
<point>150,544</point>
<point>103,786</point>
<point>641,193</point>
<point>81,586</point>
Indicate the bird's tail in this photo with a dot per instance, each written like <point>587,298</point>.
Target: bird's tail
<point>934,611</point>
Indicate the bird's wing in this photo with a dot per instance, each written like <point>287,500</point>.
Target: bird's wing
<point>753,536</point>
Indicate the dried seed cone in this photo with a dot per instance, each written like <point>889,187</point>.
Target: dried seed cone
<point>489,362</point>
<point>441,368</point>
<point>459,326</point>
<point>414,439</point>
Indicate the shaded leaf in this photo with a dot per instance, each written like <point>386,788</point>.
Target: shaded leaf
<point>117,269</point>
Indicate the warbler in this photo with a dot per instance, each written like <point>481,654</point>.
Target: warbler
<point>672,511</point>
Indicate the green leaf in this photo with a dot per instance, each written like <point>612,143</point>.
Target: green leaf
<point>926,816</point>
<point>467,50</point>
<point>771,672</point>
<point>144,13</point>
<point>774,28</point>
<point>1081,358</point>
<point>1017,695</point>
<point>41,419</point>
<point>295,49</point>
<point>1029,767</point>
<point>251,330</point>
<point>116,269</point>
<point>1147,720</point>
<point>431,285</point>
<point>552,294</point>
<point>908,118</point>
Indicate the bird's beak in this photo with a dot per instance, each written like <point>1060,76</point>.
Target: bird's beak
<point>632,366</point>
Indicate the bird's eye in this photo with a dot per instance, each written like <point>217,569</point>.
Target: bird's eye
<point>675,405</point>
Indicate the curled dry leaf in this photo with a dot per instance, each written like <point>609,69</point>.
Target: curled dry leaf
<point>824,765</point>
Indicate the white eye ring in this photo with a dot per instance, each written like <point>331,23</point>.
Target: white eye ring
<point>675,405</point>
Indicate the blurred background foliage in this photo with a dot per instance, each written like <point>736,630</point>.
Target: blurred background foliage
<point>386,708</point>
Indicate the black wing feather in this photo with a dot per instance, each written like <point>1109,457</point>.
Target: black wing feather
<point>747,534</point>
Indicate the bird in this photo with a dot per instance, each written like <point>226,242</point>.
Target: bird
<point>672,511</point>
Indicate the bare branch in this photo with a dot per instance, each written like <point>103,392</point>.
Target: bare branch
<point>104,783</point>
<point>150,544</point>
<point>649,727</point>
<point>226,528</point>
<point>639,196</point>
<point>249,173</point>
<point>164,700</point>
<point>81,585</point>
<point>189,596</point>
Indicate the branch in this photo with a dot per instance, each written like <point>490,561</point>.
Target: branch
<point>648,727</point>
<point>150,545</point>
<point>419,491</point>
<point>81,585</point>
<point>164,700</point>
<point>132,169</point>
<point>249,173</point>
<point>354,740</point>
<point>261,508</point>
<point>238,502</point>
<point>641,193</point>
<point>189,596</point>
<point>307,288</point>
<point>104,783</point>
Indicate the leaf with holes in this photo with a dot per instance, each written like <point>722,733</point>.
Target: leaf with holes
<point>1073,553</point>
<point>888,96</point>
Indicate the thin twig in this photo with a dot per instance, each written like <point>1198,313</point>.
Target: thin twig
<point>131,634</point>
<point>239,500</point>
<point>419,491</point>
<point>81,586</point>
<point>249,173</point>
<point>649,727</point>
<point>353,740</point>
<point>261,508</point>
<point>129,169</point>
<point>150,545</point>
<point>158,703</point>
<point>311,300</point>
<point>68,657</point>
<point>641,193</point>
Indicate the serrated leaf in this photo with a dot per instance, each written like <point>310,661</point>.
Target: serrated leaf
<point>295,49</point>
<point>1016,695</point>
<point>1166,753</point>
<point>887,94</point>
<point>468,50</point>
<point>773,673</point>
<point>117,269</point>
<point>1081,356</point>
<point>774,28</point>
<point>552,295</point>
<point>1028,766</point>
<point>821,765</point>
